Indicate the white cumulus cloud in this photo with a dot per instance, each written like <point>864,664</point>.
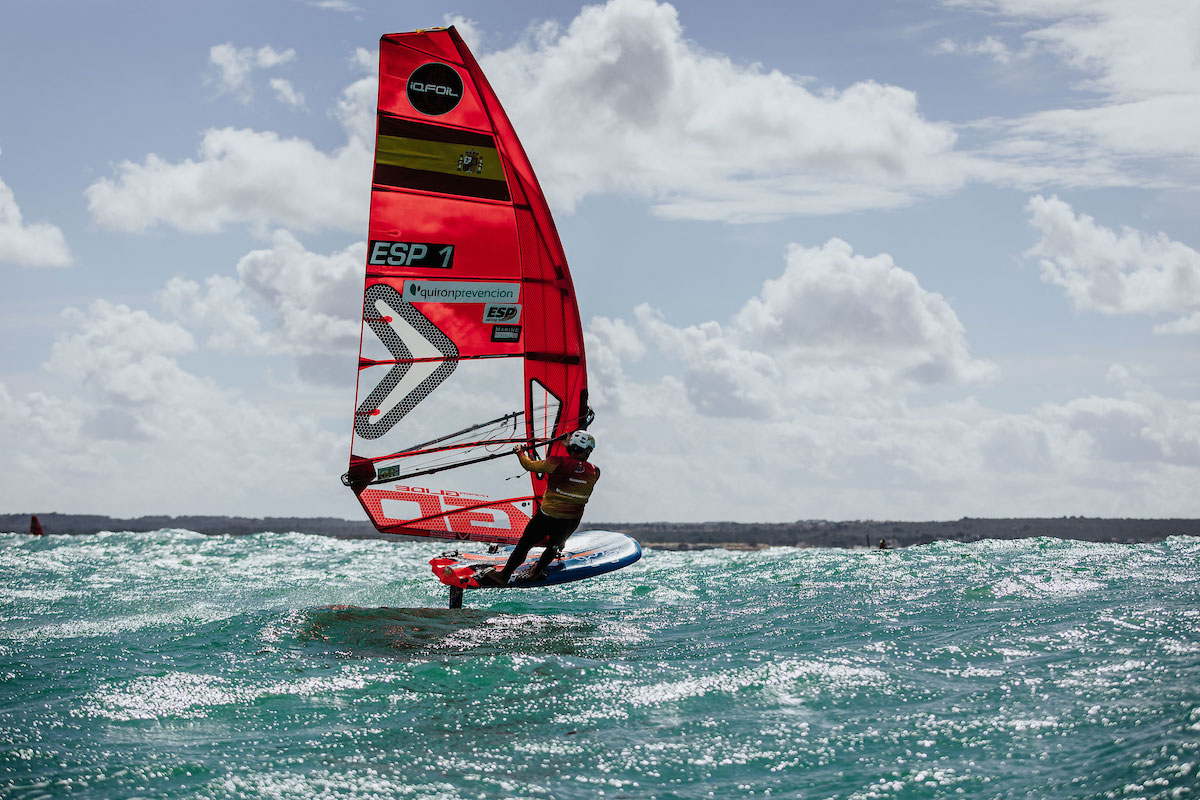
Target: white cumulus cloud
<point>234,65</point>
<point>811,402</point>
<point>240,176</point>
<point>1126,272</point>
<point>890,453</point>
<point>37,244</point>
<point>835,329</point>
<point>639,108</point>
<point>334,5</point>
<point>124,355</point>
<point>285,300</point>
<point>1138,111</point>
<point>286,93</point>
<point>989,46</point>
<point>138,432</point>
<point>251,177</point>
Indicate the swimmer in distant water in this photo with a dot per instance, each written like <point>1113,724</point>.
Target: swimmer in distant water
<point>569,484</point>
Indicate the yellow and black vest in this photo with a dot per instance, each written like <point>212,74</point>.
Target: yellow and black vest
<point>569,484</point>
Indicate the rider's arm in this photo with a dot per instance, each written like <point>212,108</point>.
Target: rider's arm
<point>534,465</point>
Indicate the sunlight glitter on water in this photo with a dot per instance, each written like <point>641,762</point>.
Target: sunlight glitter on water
<point>178,665</point>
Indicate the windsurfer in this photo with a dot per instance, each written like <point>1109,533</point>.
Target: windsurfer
<point>569,484</point>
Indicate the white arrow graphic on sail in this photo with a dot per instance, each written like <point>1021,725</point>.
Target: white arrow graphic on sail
<point>409,336</point>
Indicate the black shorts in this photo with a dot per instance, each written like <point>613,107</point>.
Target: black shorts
<point>544,531</point>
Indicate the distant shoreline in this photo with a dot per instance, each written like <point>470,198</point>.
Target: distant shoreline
<point>671,535</point>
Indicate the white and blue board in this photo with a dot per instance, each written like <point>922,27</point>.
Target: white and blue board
<point>585,555</point>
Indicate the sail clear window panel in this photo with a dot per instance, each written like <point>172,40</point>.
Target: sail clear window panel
<point>475,392</point>
<point>545,408</point>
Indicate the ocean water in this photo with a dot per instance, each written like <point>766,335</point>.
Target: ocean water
<point>172,664</point>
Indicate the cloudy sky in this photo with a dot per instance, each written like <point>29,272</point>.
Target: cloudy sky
<point>858,260</point>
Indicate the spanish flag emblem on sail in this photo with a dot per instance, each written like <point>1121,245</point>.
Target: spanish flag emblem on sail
<point>429,158</point>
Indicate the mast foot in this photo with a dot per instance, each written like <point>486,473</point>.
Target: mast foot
<point>456,597</point>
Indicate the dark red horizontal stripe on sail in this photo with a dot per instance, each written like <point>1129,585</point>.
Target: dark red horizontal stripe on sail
<point>557,358</point>
<point>391,126</point>
<point>388,175</point>
<point>559,283</point>
<point>401,189</point>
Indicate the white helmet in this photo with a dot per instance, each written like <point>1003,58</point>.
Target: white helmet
<point>581,440</point>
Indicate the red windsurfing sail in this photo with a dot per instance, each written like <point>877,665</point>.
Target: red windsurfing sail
<point>471,337</point>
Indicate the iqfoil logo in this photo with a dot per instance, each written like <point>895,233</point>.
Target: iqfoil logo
<point>461,292</point>
<point>434,89</point>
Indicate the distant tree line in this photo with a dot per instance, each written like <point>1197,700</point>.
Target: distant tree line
<point>81,524</point>
<point>674,535</point>
<point>869,533</point>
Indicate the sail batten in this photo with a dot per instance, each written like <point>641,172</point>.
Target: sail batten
<point>377,362</point>
<point>468,308</point>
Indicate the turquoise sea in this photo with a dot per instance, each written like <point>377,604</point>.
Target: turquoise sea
<point>172,664</point>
